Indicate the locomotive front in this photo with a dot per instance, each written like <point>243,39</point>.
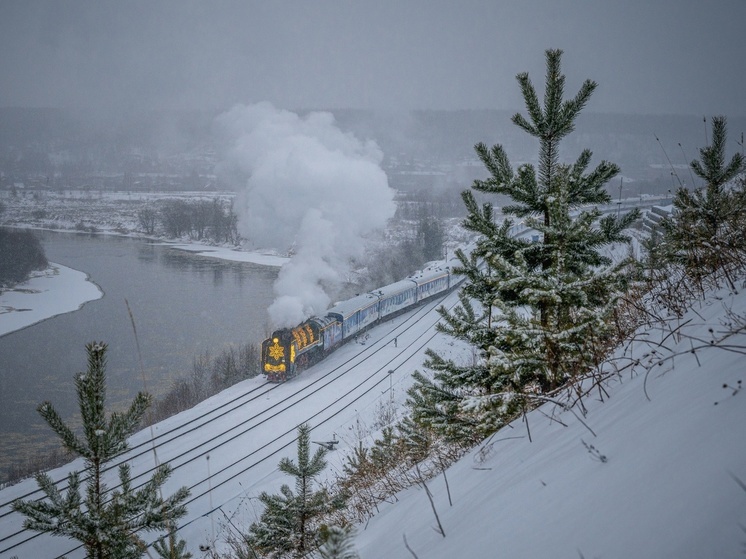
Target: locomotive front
<point>278,356</point>
<point>288,352</point>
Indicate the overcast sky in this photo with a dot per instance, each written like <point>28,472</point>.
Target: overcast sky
<point>649,56</point>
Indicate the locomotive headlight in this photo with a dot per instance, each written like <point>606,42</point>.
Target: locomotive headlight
<point>275,340</point>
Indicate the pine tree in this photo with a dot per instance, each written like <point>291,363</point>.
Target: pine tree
<point>536,311</point>
<point>706,233</point>
<point>384,454</point>
<point>338,544</point>
<point>107,522</point>
<point>172,548</point>
<point>286,527</point>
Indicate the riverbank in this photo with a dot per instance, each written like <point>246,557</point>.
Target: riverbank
<point>115,213</point>
<point>186,307</point>
<point>230,254</point>
<point>48,293</point>
<point>59,289</point>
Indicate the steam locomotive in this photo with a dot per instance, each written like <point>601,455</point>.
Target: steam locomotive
<point>289,351</point>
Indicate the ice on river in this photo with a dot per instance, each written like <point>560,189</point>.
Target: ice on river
<point>56,290</point>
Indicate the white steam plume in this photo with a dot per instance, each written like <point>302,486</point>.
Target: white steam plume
<point>305,184</point>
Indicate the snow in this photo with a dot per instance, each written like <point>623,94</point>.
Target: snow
<point>653,470</point>
<point>667,488</point>
<point>224,253</point>
<point>56,290</point>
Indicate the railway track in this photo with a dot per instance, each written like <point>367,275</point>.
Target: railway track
<point>217,431</point>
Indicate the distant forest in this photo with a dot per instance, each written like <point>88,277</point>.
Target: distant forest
<point>422,149</point>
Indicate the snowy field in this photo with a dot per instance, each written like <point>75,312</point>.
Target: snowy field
<point>105,211</point>
<point>653,471</point>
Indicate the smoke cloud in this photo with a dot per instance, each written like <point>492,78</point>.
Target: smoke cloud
<point>305,187</point>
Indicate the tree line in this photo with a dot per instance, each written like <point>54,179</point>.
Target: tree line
<point>20,254</point>
<point>210,374</point>
<point>198,219</point>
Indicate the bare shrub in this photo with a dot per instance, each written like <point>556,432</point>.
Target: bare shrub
<point>208,376</point>
<point>400,458</point>
<point>147,219</point>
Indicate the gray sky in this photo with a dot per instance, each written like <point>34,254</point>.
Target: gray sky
<point>649,56</point>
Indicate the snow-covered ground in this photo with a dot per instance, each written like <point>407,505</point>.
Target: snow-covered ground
<point>232,254</point>
<point>56,290</point>
<point>657,470</point>
<point>103,211</point>
<point>652,471</point>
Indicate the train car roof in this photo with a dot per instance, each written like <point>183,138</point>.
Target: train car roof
<point>348,307</point>
<point>394,288</point>
<point>429,274</point>
<point>323,321</point>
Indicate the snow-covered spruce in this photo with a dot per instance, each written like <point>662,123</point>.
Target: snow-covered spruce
<point>107,524</point>
<point>537,311</point>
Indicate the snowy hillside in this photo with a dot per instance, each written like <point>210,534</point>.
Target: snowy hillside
<point>653,471</point>
<point>226,449</point>
<point>657,470</point>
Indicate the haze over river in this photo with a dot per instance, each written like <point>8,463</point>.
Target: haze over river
<point>183,305</point>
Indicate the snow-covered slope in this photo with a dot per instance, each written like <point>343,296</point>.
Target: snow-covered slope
<point>226,449</point>
<point>667,485</point>
<point>659,476</point>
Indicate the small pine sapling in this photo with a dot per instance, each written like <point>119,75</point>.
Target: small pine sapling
<point>107,522</point>
<point>287,527</point>
<point>705,232</point>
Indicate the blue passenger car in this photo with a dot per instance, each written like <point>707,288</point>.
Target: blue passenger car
<point>356,314</point>
<point>397,297</point>
<point>431,283</point>
<point>331,332</point>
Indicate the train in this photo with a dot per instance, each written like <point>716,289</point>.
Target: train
<point>291,350</point>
